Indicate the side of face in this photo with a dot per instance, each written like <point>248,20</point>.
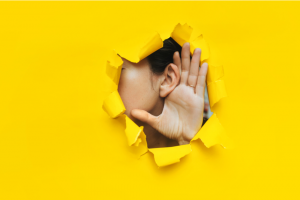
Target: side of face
<point>138,87</point>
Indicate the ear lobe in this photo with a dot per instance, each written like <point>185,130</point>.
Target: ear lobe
<point>171,77</point>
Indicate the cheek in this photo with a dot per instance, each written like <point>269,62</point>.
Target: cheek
<point>136,91</point>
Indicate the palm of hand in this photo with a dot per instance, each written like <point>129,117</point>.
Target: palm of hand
<point>182,114</point>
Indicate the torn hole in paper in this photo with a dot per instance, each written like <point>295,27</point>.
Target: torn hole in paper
<point>212,133</point>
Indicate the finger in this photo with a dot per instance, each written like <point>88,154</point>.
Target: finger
<point>144,117</point>
<point>200,87</point>
<point>194,69</point>
<point>177,61</point>
<point>185,57</point>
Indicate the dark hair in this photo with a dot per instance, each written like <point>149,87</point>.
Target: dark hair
<point>161,58</point>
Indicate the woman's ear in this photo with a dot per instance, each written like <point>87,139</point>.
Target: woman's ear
<point>171,78</point>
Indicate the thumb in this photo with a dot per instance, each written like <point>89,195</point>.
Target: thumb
<point>144,116</point>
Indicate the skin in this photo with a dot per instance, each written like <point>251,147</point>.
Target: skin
<point>170,110</point>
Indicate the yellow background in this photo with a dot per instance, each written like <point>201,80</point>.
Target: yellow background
<point>56,142</point>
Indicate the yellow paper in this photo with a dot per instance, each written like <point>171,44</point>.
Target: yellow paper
<point>213,133</point>
<point>200,42</point>
<point>214,73</point>
<point>138,48</point>
<point>113,105</point>
<point>136,136</point>
<point>182,33</point>
<point>114,67</point>
<point>216,91</point>
<point>56,142</point>
<point>132,132</point>
<point>150,45</point>
<point>170,155</point>
<point>215,85</point>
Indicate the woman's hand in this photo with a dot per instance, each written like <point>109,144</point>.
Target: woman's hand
<point>182,115</point>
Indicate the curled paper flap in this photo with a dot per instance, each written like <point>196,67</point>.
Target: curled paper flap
<point>200,42</point>
<point>215,85</point>
<point>216,91</point>
<point>170,155</point>
<point>114,67</point>
<point>113,105</point>
<point>213,133</point>
<point>140,145</point>
<point>136,136</point>
<point>182,33</point>
<point>139,48</point>
<point>132,132</point>
<point>214,73</point>
<point>152,44</point>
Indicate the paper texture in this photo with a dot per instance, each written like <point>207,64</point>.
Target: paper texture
<point>114,67</point>
<point>113,105</point>
<point>215,84</point>
<point>136,136</point>
<point>182,33</point>
<point>170,155</point>
<point>134,50</point>
<point>213,133</point>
